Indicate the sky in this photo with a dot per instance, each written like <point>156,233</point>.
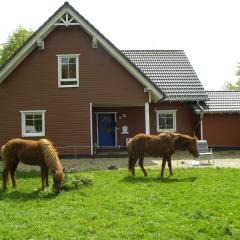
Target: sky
<point>207,30</point>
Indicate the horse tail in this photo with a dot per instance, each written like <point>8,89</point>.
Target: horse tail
<point>1,152</point>
<point>6,170</point>
<point>131,155</point>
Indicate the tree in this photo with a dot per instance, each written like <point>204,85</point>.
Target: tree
<point>238,71</point>
<point>233,86</point>
<point>236,85</point>
<point>15,40</point>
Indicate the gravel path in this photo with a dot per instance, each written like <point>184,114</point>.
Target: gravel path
<point>180,159</point>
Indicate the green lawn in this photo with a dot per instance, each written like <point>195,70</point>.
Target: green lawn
<point>193,204</point>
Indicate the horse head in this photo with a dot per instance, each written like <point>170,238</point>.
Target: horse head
<point>57,179</point>
<point>192,147</point>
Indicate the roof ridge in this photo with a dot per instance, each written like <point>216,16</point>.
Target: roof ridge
<point>222,90</point>
<point>167,50</point>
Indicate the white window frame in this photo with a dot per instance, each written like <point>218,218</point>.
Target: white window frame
<point>60,80</point>
<point>173,112</point>
<point>23,123</point>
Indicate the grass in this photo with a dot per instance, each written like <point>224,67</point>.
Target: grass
<point>193,204</point>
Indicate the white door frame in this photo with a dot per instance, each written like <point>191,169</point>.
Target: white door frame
<point>91,127</point>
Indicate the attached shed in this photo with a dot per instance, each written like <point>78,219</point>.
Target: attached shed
<point>221,119</point>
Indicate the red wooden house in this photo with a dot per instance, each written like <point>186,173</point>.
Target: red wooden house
<point>70,84</point>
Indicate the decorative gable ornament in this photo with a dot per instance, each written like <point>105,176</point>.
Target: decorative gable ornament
<point>67,20</point>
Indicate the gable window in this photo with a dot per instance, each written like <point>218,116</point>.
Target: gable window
<point>68,70</point>
<point>166,120</point>
<point>33,123</point>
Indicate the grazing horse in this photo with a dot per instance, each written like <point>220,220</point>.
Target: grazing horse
<point>41,153</point>
<point>163,145</point>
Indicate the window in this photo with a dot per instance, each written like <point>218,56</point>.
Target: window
<point>166,120</point>
<point>33,123</point>
<point>68,70</point>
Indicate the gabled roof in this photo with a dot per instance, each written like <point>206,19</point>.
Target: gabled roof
<point>222,102</point>
<point>76,19</point>
<point>171,71</point>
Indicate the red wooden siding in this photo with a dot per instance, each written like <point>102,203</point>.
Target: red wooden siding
<point>222,130</point>
<point>34,86</point>
<point>186,120</point>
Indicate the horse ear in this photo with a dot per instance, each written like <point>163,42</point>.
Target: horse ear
<point>64,169</point>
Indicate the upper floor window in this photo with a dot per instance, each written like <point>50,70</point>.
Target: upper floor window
<point>33,123</point>
<point>166,120</point>
<point>68,70</point>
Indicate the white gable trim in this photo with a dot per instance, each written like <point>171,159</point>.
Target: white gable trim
<point>50,25</point>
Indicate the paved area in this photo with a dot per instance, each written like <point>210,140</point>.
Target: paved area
<point>179,160</point>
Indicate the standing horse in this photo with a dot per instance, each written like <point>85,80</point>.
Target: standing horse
<point>163,145</point>
<point>41,153</point>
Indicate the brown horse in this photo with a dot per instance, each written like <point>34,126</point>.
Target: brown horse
<point>163,145</point>
<point>41,153</point>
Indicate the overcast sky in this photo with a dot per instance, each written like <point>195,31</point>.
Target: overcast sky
<point>208,30</point>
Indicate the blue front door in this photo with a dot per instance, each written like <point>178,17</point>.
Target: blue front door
<point>106,130</point>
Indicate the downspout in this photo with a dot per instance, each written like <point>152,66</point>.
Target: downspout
<point>146,112</point>
<point>201,120</point>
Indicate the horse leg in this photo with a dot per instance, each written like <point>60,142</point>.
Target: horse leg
<point>12,173</point>
<point>43,176</point>
<point>169,161</point>
<point>132,163</point>
<point>163,166</point>
<point>47,183</point>
<point>5,176</point>
<point>141,158</point>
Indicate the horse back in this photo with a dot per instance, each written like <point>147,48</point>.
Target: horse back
<point>26,151</point>
<point>153,145</point>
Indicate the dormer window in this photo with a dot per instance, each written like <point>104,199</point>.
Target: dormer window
<point>68,70</point>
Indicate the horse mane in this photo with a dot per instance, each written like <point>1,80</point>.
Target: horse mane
<point>50,154</point>
<point>184,140</point>
<point>187,137</point>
